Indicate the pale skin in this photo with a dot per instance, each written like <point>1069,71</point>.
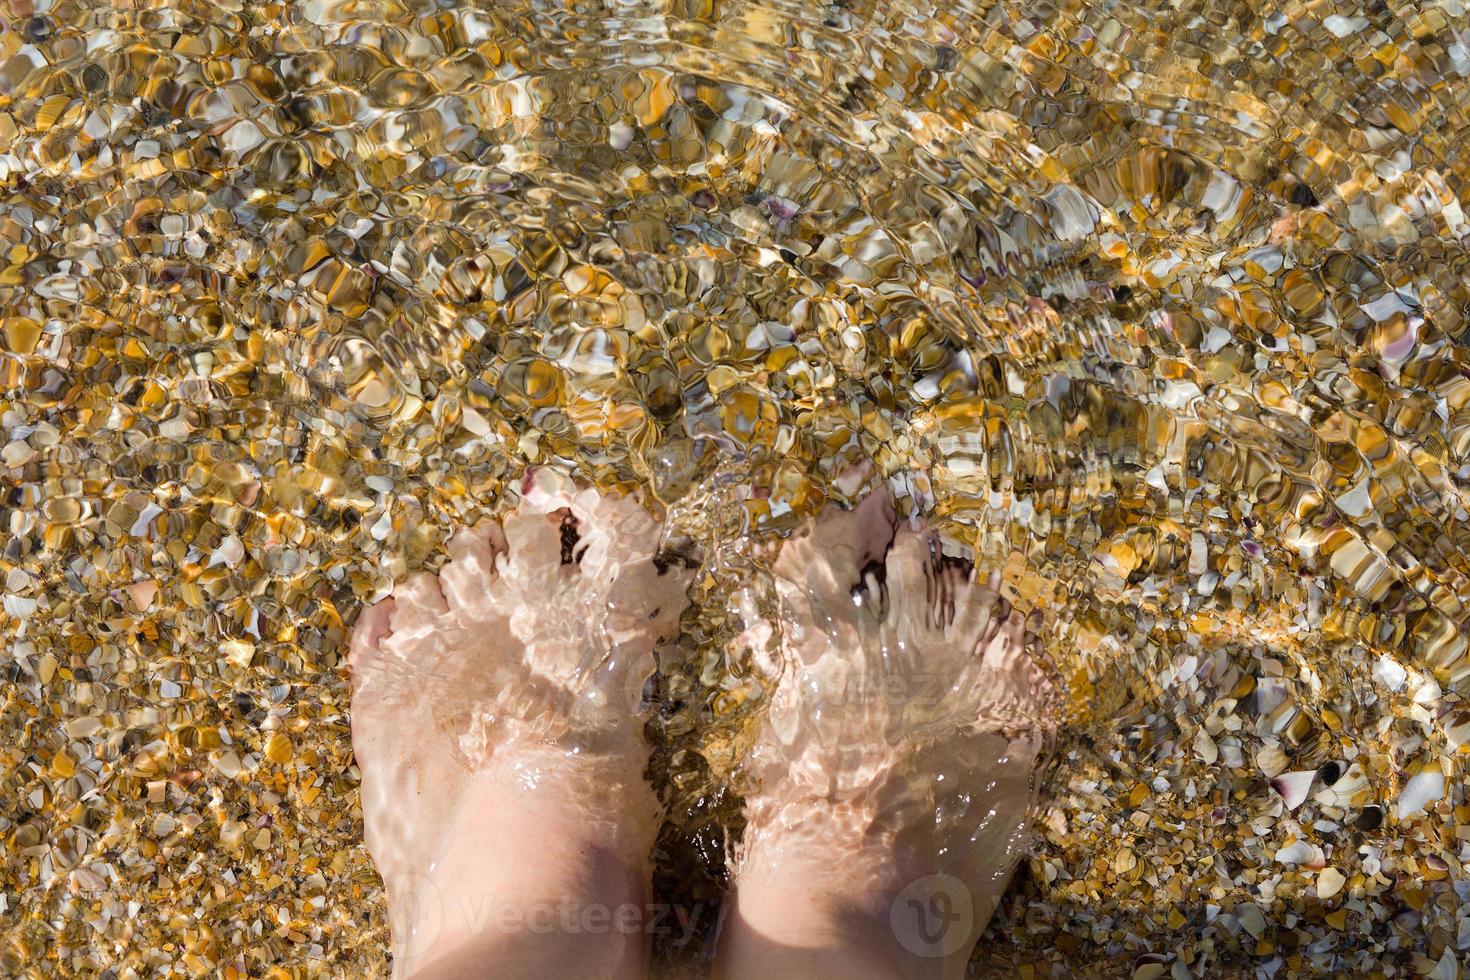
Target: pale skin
<point>496,723</point>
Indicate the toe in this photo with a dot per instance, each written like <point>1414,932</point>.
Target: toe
<point>495,534</point>
<point>954,592</point>
<point>874,521</point>
<point>999,623</point>
<point>755,641</point>
<point>417,601</point>
<point>865,532</point>
<point>472,554</point>
<point>1004,644</point>
<point>816,585</point>
<point>372,673</point>
<point>534,546</point>
<point>614,527</point>
<point>1014,628</point>
<point>828,556</point>
<point>593,509</point>
<point>909,566</point>
<point>1035,620</point>
<point>544,490</point>
<point>372,627</point>
<point>977,619</point>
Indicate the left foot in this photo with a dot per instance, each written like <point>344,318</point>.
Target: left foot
<point>495,719</point>
<point>894,763</point>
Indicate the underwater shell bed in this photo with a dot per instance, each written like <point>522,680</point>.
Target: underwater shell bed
<point>1161,307</point>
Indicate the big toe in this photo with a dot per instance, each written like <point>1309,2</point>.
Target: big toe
<point>647,600</point>
<point>615,528</point>
<point>866,531</point>
<point>981,610</point>
<point>910,565</point>
<point>825,560</point>
<point>472,555</point>
<point>364,650</point>
<point>419,607</point>
<point>373,684</point>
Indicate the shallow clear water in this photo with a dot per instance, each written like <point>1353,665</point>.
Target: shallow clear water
<point>1158,306</point>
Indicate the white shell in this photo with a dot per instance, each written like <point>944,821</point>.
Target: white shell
<point>1300,852</point>
<point>1294,786</point>
<point>1425,788</point>
<point>1389,674</point>
<point>1329,883</point>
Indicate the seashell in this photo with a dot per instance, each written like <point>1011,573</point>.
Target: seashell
<point>1388,674</point>
<point>1300,853</point>
<point>1346,790</point>
<point>1293,787</point>
<point>1271,760</point>
<point>1250,918</point>
<point>1421,790</point>
<point>1329,883</point>
<point>1205,748</point>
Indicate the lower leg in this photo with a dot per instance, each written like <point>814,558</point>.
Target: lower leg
<point>816,894</point>
<point>535,878</point>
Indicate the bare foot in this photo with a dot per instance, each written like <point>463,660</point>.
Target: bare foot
<point>894,764</point>
<point>495,719</point>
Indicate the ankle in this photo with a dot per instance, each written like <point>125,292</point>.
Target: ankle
<point>849,889</point>
<point>809,928</point>
<point>614,805</point>
<point>524,868</point>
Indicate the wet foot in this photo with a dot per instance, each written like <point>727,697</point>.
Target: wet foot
<point>496,723</point>
<point>893,768</point>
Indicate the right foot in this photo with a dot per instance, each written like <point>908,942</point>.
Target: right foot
<point>894,764</point>
<point>495,722</point>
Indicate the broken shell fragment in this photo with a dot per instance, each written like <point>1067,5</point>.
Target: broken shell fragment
<point>1293,787</point>
<point>1419,792</point>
